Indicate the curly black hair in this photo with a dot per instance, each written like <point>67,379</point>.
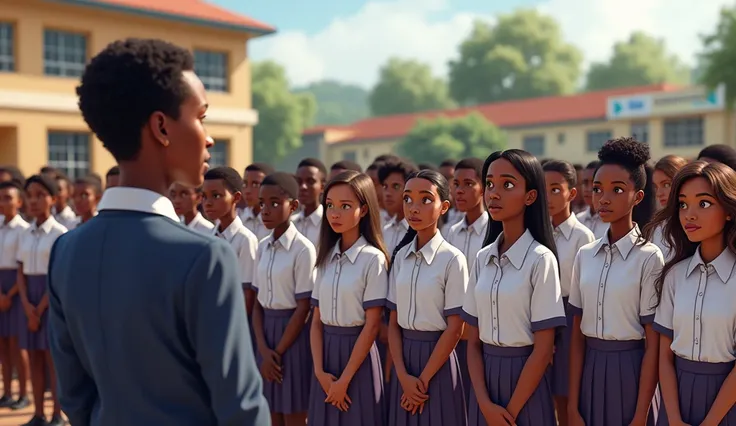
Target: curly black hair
<point>127,82</point>
<point>230,177</point>
<point>402,167</point>
<point>628,153</point>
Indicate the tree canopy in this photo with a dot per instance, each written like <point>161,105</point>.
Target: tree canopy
<point>337,103</point>
<point>719,55</point>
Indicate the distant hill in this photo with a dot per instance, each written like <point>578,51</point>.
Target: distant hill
<point>338,103</point>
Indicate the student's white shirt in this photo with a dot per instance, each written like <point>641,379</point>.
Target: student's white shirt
<point>65,217</point>
<point>245,245</point>
<point>11,233</point>
<point>393,232</point>
<point>658,239</point>
<point>254,223</point>
<point>199,224</point>
<point>309,226</point>
<point>569,236</point>
<point>468,238</point>
<point>594,223</point>
<point>35,246</point>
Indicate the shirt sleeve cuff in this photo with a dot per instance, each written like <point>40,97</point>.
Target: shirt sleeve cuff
<point>315,302</point>
<point>549,323</point>
<point>470,319</point>
<point>390,305</point>
<point>303,295</point>
<point>574,310</point>
<point>247,286</point>
<point>376,303</point>
<point>646,319</point>
<point>453,311</point>
<point>659,328</point>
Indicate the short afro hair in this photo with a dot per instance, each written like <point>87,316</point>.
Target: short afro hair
<point>264,168</point>
<point>92,182</point>
<point>402,167</point>
<point>313,162</point>
<point>285,181</point>
<point>347,165</point>
<point>471,163</point>
<point>628,153</point>
<point>126,83</point>
<point>114,171</point>
<point>230,177</point>
<point>47,182</point>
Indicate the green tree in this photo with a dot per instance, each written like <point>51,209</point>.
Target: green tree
<point>338,103</point>
<point>407,86</point>
<point>282,115</point>
<point>522,56</point>
<point>433,140</point>
<point>641,60</point>
<point>719,55</point>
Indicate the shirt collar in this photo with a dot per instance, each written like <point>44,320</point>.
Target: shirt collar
<point>45,227</point>
<point>516,253</point>
<point>429,250</point>
<point>137,200</point>
<point>723,264</point>
<point>352,252</point>
<point>624,245</point>
<point>566,227</point>
<point>230,231</point>
<point>198,218</point>
<point>14,221</point>
<point>479,226</point>
<point>286,239</point>
<point>403,223</point>
<point>315,217</point>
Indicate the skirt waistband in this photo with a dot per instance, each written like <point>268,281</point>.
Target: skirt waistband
<point>699,367</point>
<point>424,336</point>
<point>345,331</point>
<point>613,345</point>
<point>507,351</point>
<point>281,313</point>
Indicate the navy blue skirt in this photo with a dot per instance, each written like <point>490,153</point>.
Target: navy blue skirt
<point>365,390</point>
<point>34,341</point>
<point>9,319</point>
<point>561,361</point>
<point>446,403</point>
<point>698,384</point>
<point>502,367</point>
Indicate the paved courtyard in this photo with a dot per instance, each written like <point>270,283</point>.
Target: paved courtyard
<point>9,417</point>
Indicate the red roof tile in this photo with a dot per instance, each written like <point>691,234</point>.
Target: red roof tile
<point>196,10</point>
<point>526,112</point>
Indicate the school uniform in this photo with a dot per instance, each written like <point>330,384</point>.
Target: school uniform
<point>385,217</point>
<point>454,216</point>
<point>79,221</point>
<point>612,289</point>
<point>349,283</point>
<point>510,297</point>
<point>199,224</point>
<point>425,287</point>
<point>145,313</point>
<point>593,222</point>
<point>393,232</point>
<point>309,226</point>
<point>11,233</point>
<point>569,236</point>
<point>254,223</point>
<point>34,251</point>
<point>659,240</point>
<point>696,312</point>
<point>66,217</point>
<point>284,275</point>
<point>244,243</point>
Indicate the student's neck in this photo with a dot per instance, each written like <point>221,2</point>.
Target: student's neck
<point>89,215</point>
<point>591,210</point>
<point>513,229</point>
<point>279,230</point>
<point>189,216</point>
<point>59,206</point>
<point>399,216</point>
<point>309,209</point>
<point>136,174</point>
<point>425,235</point>
<point>256,209</point>
<point>10,216</point>
<point>474,214</point>
<point>226,221</point>
<point>348,238</point>
<point>711,248</point>
<point>560,217</point>
<point>619,229</point>
<point>42,218</point>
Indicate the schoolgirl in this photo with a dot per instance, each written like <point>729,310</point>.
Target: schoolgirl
<point>11,231</point>
<point>425,295</point>
<point>393,176</point>
<point>589,217</point>
<point>613,348</point>
<point>284,280</point>
<point>87,193</point>
<point>62,211</point>
<point>33,257</point>
<point>348,298</point>
<point>310,176</point>
<point>513,304</point>
<point>186,203</point>
<point>718,153</point>
<point>664,171</point>
<point>569,235</point>
<point>372,172</point>
<point>695,317</point>
<point>250,214</point>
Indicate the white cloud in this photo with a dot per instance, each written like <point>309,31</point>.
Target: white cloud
<point>352,48</point>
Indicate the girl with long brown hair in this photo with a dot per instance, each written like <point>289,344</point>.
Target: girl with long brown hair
<point>664,171</point>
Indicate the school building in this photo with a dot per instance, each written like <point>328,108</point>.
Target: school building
<point>673,120</point>
<point>45,44</point>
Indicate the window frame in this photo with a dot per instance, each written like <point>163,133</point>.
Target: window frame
<point>8,59</point>
<point>219,84</point>
<point>73,166</point>
<point>60,66</point>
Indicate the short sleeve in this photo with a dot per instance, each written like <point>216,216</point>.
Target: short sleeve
<point>664,316</point>
<point>547,308</point>
<point>648,293</point>
<point>247,260</point>
<point>391,296</point>
<point>575,301</point>
<point>376,283</point>
<point>254,279</point>
<point>470,308</point>
<point>21,243</point>
<point>455,285</point>
<point>318,274</point>
<point>304,272</point>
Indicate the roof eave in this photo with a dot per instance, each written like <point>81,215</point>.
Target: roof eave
<point>257,31</point>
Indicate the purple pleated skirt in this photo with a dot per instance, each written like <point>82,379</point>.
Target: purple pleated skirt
<point>462,358</point>
<point>446,403</point>
<point>38,341</point>
<point>502,367</point>
<point>291,396</point>
<point>609,387</point>
<point>561,360</point>
<point>698,384</point>
<point>9,319</point>
<point>365,390</point>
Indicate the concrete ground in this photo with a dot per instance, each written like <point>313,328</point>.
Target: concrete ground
<point>9,417</point>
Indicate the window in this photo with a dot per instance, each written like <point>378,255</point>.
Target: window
<point>596,139</point>
<point>683,132</point>
<point>640,131</point>
<point>69,152</point>
<point>218,154</point>
<point>7,47</point>
<point>64,53</point>
<point>561,138</point>
<point>211,68</point>
<point>350,155</point>
<point>534,145</point>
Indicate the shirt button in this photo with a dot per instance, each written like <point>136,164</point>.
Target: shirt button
<point>494,328</point>
<point>599,303</point>
<point>697,318</point>
<point>605,265</point>
<point>599,317</point>
<point>601,285</point>
<point>700,294</point>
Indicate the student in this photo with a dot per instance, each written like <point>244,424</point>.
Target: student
<point>310,175</point>
<point>589,217</point>
<point>145,313</point>
<point>664,171</point>
<point>62,211</point>
<point>613,347</point>
<point>11,357</point>
<point>34,250</point>
<point>427,166</point>
<point>513,303</point>
<point>112,178</point>
<point>695,317</point>
<point>250,215</point>
<point>87,193</point>
<point>569,235</point>
<point>11,173</point>
<point>447,168</point>
<point>372,172</point>
<point>348,298</point>
<point>578,204</point>
<point>426,288</point>
<point>467,188</point>
<point>719,154</point>
<point>393,176</point>
<point>284,281</point>
<point>186,203</point>
<point>342,166</point>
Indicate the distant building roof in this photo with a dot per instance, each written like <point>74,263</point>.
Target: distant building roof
<point>198,12</point>
<point>519,113</point>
